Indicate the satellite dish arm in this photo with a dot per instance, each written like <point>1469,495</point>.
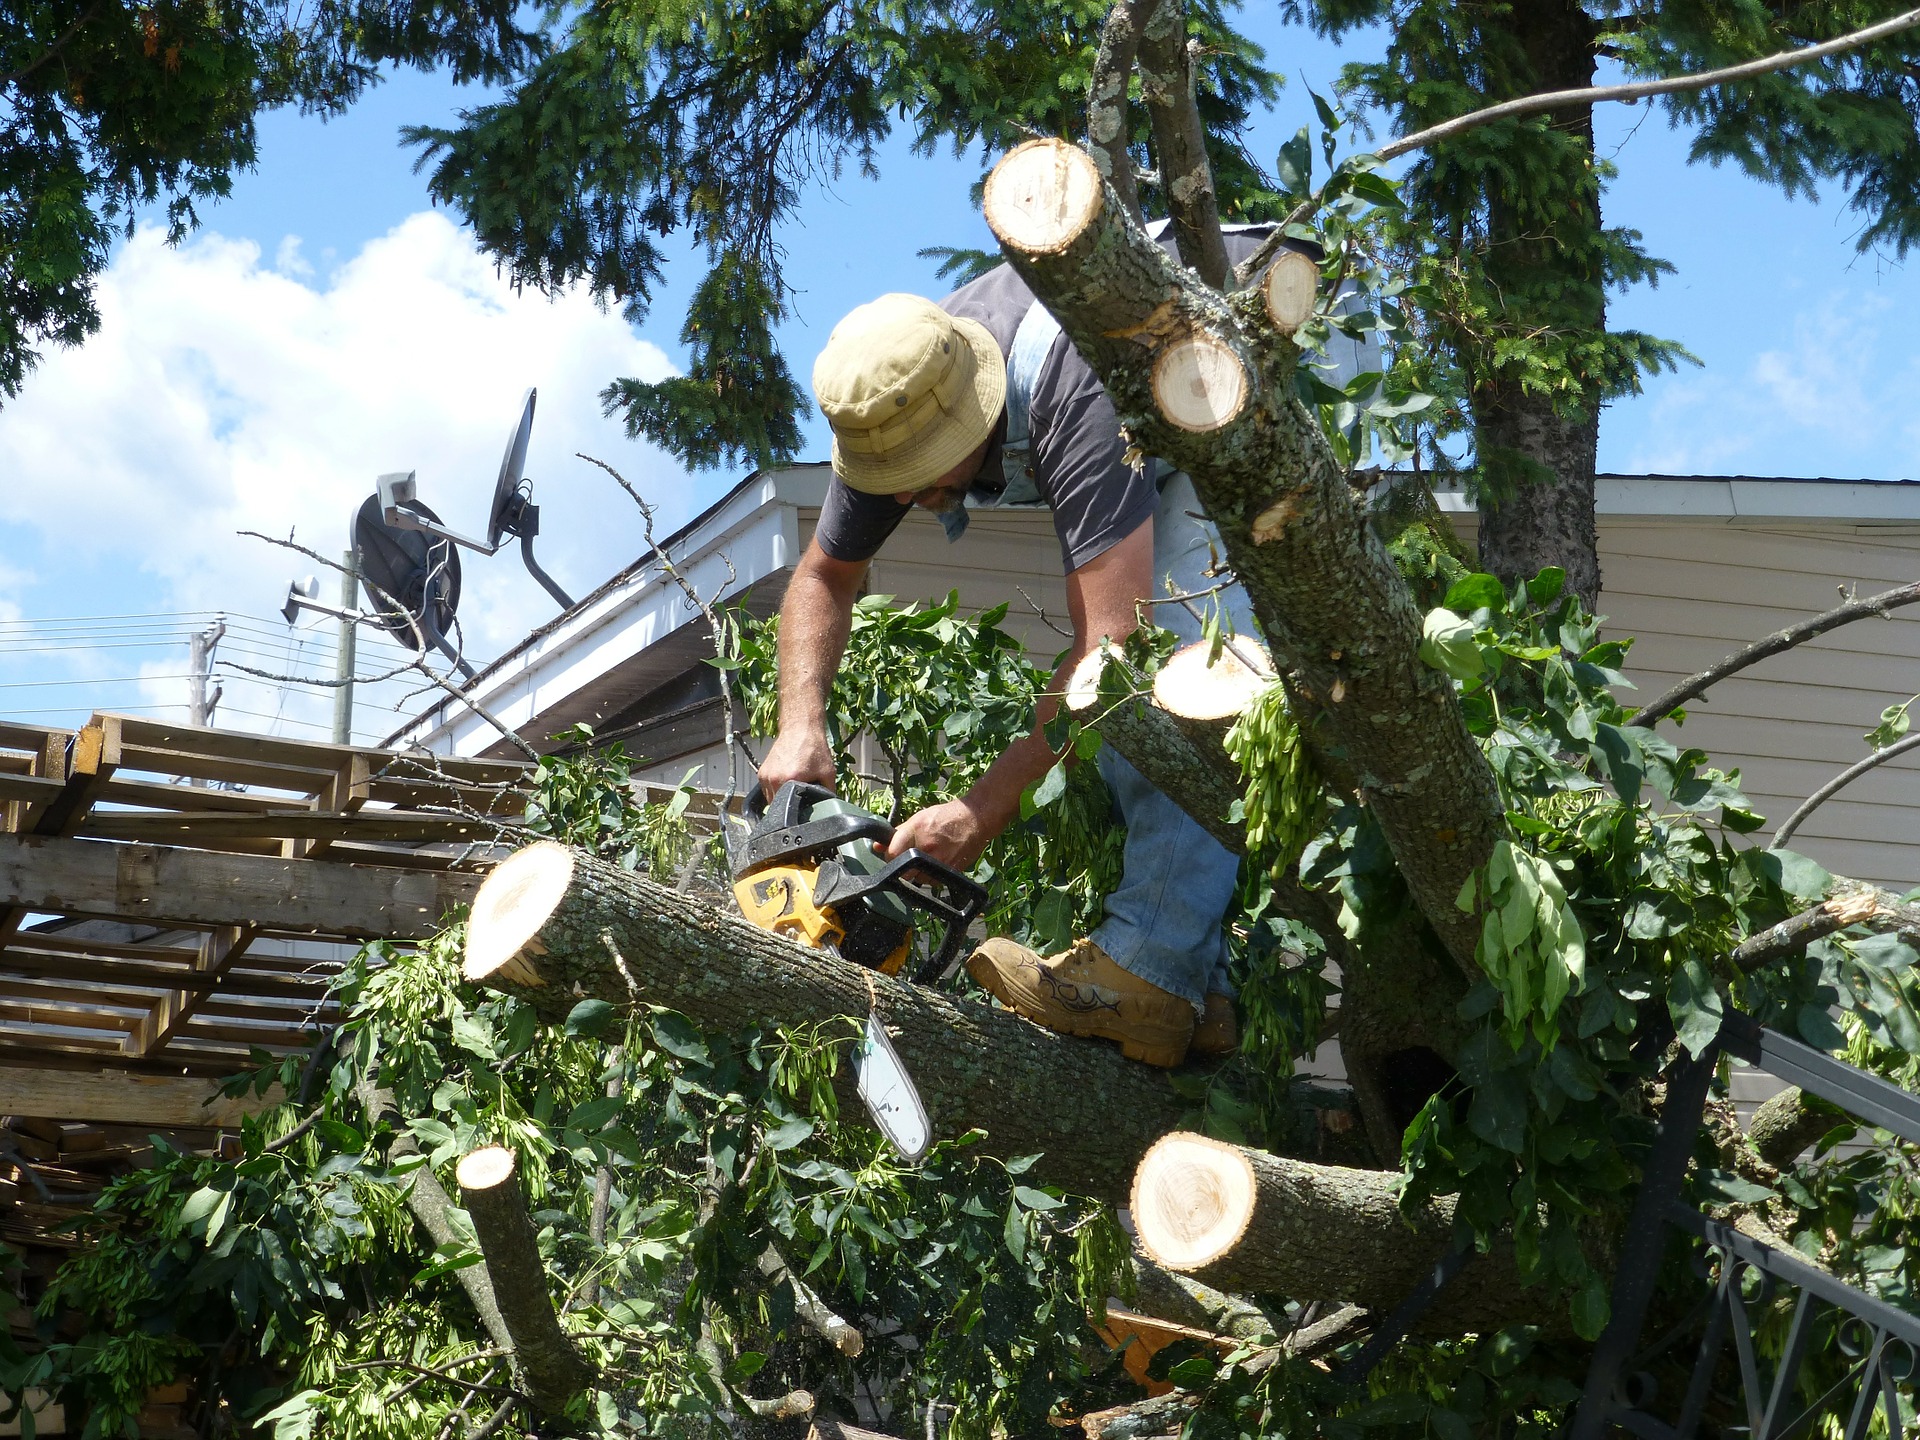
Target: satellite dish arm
<point>396,490</point>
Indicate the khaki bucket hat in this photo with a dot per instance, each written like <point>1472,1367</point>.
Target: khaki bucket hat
<point>909,390</point>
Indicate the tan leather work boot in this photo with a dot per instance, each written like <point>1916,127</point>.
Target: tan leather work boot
<point>1081,991</point>
<point>1218,1031</point>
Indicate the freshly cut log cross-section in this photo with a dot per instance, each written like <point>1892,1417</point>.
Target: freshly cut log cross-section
<point>1250,1223</point>
<point>555,925</point>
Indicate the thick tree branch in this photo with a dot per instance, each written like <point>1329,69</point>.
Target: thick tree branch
<point>1694,686</point>
<point>552,924</point>
<point>1247,1222</point>
<point>1180,140</point>
<point>1107,121</point>
<point>1840,782</point>
<point>1205,383</point>
<point>554,1371</point>
<point>1792,935</point>
<point>431,1207</point>
<point>1784,1126</point>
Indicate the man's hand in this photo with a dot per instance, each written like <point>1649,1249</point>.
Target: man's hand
<point>952,832</point>
<point>797,754</point>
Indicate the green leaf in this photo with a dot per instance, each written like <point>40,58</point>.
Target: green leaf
<point>1802,879</point>
<point>676,1035</point>
<point>1014,1232</point>
<point>1447,644</point>
<point>1294,168</point>
<point>1546,587</point>
<point>1036,1199</point>
<point>1730,1189</point>
<point>1618,753</point>
<point>1591,1308</point>
<point>200,1205</point>
<point>474,1036</point>
<point>1498,1113</point>
<point>1695,1006</point>
<point>591,1115</point>
<point>1475,592</point>
<point>590,1018</point>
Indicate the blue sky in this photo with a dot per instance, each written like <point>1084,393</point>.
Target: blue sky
<point>327,325</point>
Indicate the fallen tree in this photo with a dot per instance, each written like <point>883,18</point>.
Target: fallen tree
<point>553,925</point>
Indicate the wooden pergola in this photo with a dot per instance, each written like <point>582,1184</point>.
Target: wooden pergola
<point>174,900</point>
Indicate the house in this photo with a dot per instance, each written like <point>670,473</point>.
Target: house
<point>1695,567</point>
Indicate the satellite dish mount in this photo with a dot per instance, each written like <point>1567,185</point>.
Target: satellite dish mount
<point>512,513</point>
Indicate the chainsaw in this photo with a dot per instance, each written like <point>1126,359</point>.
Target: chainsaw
<point>805,866</point>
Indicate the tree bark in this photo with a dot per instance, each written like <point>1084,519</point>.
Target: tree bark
<point>552,1369</point>
<point>1329,601</point>
<point>1783,1127</point>
<point>1537,464</point>
<point>1180,139</point>
<point>1248,1222</point>
<point>554,925</point>
<point>1160,1293</point>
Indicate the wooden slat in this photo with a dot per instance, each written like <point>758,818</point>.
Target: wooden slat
<point>32,789</point>
<point>191,826</point>
<point>162,884</point>
<point>159,795</point>
<point>218,949</point>
<point>156,760</point>
<point>273,750</point>
<point>118,1097</point>
<point>90,969</point>
<point>94,757</point>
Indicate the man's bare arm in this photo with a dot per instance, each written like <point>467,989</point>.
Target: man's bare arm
<point>1103,599</point>
<point>815,619</point>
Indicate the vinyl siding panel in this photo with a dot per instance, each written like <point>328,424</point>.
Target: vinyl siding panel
<point>1694,591</point>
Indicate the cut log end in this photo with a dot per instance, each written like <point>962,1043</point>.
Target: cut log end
<point>1289,289</point>
<point>513,902</point>
<point>1189,687</point>
<point>1083,684</point>
<point>1199,384</point>
<point>1192,1200</point>
<point>1042,196</point>
<point>487,1168</point>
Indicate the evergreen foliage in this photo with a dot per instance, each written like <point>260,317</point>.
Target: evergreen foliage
<point>109,107</point>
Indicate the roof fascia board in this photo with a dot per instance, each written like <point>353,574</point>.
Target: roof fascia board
<point>751,529</point>
<point>1738,498</point>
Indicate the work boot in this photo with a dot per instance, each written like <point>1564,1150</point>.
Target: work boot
<point>1081,991</point>
<point>1218,1032</point>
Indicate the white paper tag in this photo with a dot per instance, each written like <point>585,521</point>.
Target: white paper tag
<point>888,1092</point>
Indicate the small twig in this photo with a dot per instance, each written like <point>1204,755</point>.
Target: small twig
<point>494,1421</point>
<point>715,626</point>
<point>1345,1324</point>
<point>459,1413</point>
<point>11,1150</point>
<point>434,1373</point>
<point>589,1294</point>
<point>811,1309</point>
<point>1839,782</point>
<point>1695,685</point>
<point>294,1134</point>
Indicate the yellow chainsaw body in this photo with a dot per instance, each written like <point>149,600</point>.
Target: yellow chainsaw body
<point>780,899</point>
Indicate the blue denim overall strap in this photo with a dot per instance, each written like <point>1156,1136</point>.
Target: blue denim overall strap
<point>1031,342</point>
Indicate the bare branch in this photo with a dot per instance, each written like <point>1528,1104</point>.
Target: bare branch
<point>1839,782</point>
<point>1107,127</point>
<point>1584,95</point>
<point>716,627</point>
<point>1644,89</point>
<point>1693,686</point>
<point>1179,137</point>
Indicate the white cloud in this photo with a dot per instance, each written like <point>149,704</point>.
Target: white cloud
<point>225,394</point>
<point>1836,400</point>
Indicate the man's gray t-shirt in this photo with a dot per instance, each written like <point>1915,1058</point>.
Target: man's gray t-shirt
<point>1078,455</point>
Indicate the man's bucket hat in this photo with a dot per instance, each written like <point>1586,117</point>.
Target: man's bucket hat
<point>909,390</point>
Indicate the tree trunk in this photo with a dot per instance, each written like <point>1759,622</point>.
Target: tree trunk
<point>1537,464</point>
<point>1205,382</point>
<point>1251,1223</point>
<point>554,925</point>
<point>552,1369</point>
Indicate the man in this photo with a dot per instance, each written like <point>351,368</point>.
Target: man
<point>980,399</point>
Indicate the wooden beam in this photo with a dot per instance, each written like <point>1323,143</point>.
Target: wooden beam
<point>160,885</point>
<point>344,794</point>
<point>218,950</point>
<point>85,765</point>
<point>192,826</point>
<point>118,1097</point>
<point>274,750</point>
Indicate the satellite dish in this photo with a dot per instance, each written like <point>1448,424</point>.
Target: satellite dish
<point>512,512</point>
<point>508,502</point>
<point>298,593</point>
<point>416,569</point>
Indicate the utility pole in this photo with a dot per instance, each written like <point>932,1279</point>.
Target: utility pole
<point>204,697</point>
<point>344,650</point>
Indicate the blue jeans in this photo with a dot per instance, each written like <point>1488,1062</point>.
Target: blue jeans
<point>1163,923</point>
